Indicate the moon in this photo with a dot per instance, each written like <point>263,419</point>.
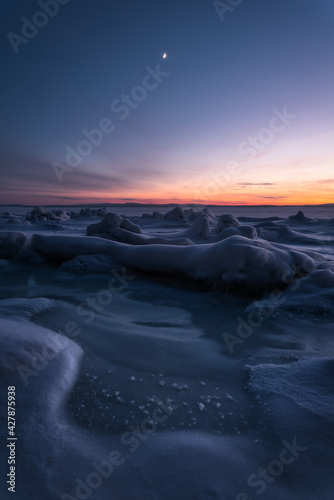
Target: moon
<point>164,55</point>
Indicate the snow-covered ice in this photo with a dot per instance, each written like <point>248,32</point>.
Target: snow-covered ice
<point>113,330</point>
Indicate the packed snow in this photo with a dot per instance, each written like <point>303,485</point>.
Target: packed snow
<point>185,348</point>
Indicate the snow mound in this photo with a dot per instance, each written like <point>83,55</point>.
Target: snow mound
<point>41,214</point>
<point>62,248</point>
<point>129,226</point>
<point>112,221</point>
<point>322,278</point>
<point>109,222</point>
<point>101,212</point>
<point>123,230</point>
<point>88,213</point>
<point>276,232</point>
<point>308,382</point>
<point>180,214</point>
<point>123,236</point>
<point>11,243</point>
<point>300,217</point>
<point>14,221</point>
<point>311,294</point>
<point>177,214</point>
<point>23,307</point>
<point>199,229</point>
<point>154,216</point>
<point>236,262</point>
<point>225,221</point>
<point>246,231</point>
<point>209,213</point>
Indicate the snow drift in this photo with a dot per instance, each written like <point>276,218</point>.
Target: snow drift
<point>235,262</point>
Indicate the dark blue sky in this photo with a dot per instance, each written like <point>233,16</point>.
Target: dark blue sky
<point>225,79</point>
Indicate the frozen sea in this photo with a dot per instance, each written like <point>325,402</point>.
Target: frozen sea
<point>165,353</point>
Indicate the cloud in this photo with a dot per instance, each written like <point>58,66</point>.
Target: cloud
<point>256,184</point>
<point>273,197</point>
<point>25,175</point>
<point>325,181</point>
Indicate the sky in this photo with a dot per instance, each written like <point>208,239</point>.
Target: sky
<point>239,112</point>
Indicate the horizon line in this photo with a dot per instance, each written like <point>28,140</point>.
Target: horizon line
<point>138,204</point>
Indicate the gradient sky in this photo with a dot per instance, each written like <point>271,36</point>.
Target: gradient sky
<point>187,140</point>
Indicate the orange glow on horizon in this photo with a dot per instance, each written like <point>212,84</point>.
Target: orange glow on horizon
<point>277,192</point>
<point>236,198</point>
<point>294,199</point>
